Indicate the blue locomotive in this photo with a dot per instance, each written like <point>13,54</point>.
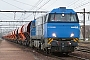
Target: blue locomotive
<point>57,31</point>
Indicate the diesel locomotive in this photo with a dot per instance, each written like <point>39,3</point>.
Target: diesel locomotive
<point>56,31</point>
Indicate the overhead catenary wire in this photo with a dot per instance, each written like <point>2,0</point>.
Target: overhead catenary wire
<point>36,4</point>
<point>73,2</point>
<point>24,12</point>
<point>20,16</point>
<point>43,5</point>
<point>31,8</point>
<point>6,16</point>
<point>40,7</point>
<point>77,3</point>
<point>82,5</point>
<point>52,3</point>
<point>28,4</point>
<point>24,3</point>
<point>12,5</point>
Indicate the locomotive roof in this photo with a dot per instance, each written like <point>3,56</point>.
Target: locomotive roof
<point>63,10</point>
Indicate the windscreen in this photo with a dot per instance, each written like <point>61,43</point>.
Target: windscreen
<point>63,18</point>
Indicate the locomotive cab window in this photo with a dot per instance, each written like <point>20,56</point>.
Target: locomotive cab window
<point>63,18</point>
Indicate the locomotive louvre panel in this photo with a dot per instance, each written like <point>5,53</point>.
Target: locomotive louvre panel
<point>39,27</point>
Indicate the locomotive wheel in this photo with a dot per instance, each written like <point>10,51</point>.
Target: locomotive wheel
<point>47,51</point>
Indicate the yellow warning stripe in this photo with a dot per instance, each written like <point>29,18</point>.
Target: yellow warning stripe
<point>50,40</point>
<point>76,40</point>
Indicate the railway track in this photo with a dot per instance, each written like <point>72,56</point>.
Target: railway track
<point>61,56</point>
<point>85,42</point>
<point>70,57</point>
<point>84,50</point>
<point>80,58</point>
<point>41,56</point>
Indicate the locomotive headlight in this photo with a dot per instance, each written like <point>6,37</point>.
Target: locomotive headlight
<point>54,34</point>
<point>72,35</point>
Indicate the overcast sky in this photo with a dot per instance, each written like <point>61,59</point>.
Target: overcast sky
<point>32,5</point>
<point>45,5</point>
